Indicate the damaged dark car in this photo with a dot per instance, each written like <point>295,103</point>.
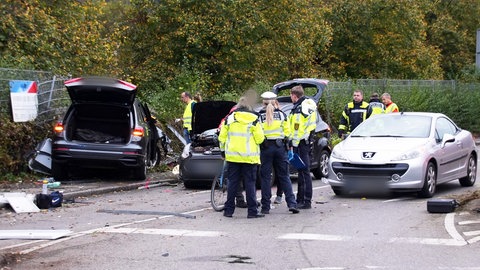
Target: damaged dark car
<point>201,159</point>
<point>105,127</point>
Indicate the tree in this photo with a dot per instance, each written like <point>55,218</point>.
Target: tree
<point>234,43</point>
<point>381,39</point>
<point>66,37</point>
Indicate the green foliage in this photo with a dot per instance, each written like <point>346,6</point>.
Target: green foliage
<point>381,39</point>
<point>460,104</point>
<point>17,141</point>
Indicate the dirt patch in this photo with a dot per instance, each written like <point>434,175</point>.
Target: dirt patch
<point>469,201</point>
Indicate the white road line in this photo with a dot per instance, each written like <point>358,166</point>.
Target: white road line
<point>469,222</point>
<point>450,227</point>
<point>96,230</point>
<point>428,241</point>
<point>473,240</point>
<point>315,188</point>
<point>321,268</point>
<point>472,233</point>
<point>170,232</point>
<point>311,236</point>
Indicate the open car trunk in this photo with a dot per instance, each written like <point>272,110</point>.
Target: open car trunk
<point>206,119</point>
<point>99,123</point>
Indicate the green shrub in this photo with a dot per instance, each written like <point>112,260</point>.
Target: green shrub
<point>17,141</point>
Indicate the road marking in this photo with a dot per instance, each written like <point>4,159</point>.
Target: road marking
<point>469,222</point>
<point>450,227</point>
<point>473,240</point>
<point>428,241</point>
<point>472,233</point>
<point>170,232</point>
<point>311,236</point>
<point>322,268</point>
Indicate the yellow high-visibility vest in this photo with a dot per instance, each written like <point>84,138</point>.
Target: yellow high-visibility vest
<point>240,137</point>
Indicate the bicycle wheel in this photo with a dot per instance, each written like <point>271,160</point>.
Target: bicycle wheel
<point>218,194</point>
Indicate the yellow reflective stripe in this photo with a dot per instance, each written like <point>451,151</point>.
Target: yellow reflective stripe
<point>239,154</point>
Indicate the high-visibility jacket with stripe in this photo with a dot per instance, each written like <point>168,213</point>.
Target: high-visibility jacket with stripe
<point>303,120</point>
<point>279,128</point>
<point>240,137</point>
<point>187,115</point>
<point>353,114</point>
<point>392,107</point>
<point>375,107</point>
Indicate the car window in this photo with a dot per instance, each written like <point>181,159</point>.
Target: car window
<point>444,126</point>
<point>398,125</point>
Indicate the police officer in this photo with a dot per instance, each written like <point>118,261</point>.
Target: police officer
<point>303,118</point>
<point>375,106</point>
<point>273,153</point>
<point>239,139</point>
<point>353,114</point>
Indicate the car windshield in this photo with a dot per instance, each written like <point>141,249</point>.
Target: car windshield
<point>395,125</point>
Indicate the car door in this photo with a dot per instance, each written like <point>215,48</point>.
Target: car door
<point>451,153</point>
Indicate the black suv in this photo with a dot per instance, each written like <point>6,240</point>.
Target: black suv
<point>104,127</point>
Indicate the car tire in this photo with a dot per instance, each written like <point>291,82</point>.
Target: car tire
<point>471,177</point>
<point>59,171</point>
<point>189,184</point>
<point>338,191</point>
<point>430,181</point>
<point>140,173</point>
<point>155,159</point>
<point>322,169</point>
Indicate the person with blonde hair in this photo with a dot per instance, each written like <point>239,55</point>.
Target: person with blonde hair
<point>273,153</point>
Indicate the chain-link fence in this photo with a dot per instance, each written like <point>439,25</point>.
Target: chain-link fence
<point>51,95</point>
<point>53,98</point>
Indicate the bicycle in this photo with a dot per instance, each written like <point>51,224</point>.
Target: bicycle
<point>218,194</point>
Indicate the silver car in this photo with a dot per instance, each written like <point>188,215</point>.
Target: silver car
<point>410,151</point>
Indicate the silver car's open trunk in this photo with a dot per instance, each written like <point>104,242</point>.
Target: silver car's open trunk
<point>99,123</point>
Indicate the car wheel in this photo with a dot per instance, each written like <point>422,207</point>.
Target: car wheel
<point>471,177</point>
<point>155,159</point>
<point>338,191</point>
<point>188,184</point>
<point>322,169</point>
<point>59,171</point>
<point>430,182</point>
<point>141,171</point>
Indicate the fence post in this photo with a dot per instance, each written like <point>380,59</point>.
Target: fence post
<point>51,90</point>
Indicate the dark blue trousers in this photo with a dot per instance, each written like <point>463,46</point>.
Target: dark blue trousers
<point>237,172</point>
<point>274,156</point>
<point>305,191</point>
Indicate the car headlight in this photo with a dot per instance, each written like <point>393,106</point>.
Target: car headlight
<point>186,151</point>
<point>336,153</point>
<point>407,155</point>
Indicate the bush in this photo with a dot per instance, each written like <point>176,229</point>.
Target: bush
<point>460,104</point>
<point>17,141</point>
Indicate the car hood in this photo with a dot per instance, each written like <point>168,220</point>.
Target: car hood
<point>378,150</point>
<point>100,90</point>
<point>208,115</point>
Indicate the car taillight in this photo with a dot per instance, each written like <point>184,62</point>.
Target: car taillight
<point>58,127</point>
<point>138,131</point>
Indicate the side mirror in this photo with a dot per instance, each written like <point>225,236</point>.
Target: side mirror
<point>447,138</point>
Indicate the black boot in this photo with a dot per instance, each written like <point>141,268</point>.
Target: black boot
<point>240,203</point>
